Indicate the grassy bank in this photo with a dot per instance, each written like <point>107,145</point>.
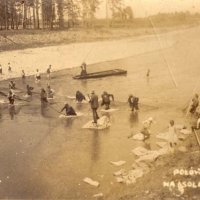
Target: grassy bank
<point>21,39</point>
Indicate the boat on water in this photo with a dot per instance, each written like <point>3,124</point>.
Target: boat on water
<point>113,72</point>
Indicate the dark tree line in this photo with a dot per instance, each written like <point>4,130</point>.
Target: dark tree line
<point>37,14</point>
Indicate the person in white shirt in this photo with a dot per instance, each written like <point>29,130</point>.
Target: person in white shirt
<point>37,76</point>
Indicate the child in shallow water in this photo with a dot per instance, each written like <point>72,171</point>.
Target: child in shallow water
<point>172,134</point>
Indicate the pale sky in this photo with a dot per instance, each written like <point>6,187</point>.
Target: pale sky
<point>149,7</point>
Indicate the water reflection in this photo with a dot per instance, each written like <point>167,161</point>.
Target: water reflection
<point>95,146</point>
<point>13,111</point>
<point>133,119</point>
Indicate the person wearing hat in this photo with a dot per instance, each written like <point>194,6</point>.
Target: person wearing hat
<point>133,102</point>
<point>68,110</point>
<point>146,126</point>
<point>94,106</point>
<point>106,100</point>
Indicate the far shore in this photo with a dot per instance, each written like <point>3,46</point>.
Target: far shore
<point>24,39</point>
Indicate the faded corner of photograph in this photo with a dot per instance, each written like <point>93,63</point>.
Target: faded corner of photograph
<point>99,99</point>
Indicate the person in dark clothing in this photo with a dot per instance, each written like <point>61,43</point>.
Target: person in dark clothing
<point>106,100</point>
<point>23,75</point>
<point>29,90</point>
<point>68,110</point>
<point>148,73</point>
<point>49,72</point>
<point>83,69</point>
<point>12,85</point>
<point>195,104</point>
<point>133,103</point>
<point>94,105</point>
<point>80,97</point>
<point>11,97</point>
<point>43,96</point>
<point>1,71</point>
<point>9,67</point>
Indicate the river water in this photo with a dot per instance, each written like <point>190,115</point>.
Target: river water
<point>43,156</point>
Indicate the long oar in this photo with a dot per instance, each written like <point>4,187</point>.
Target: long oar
<point>197,138</point>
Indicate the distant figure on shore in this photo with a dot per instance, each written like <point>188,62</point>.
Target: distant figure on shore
<point>148,73</point>
<point>106,100</point>
<point>37,76</point>
<point>94,106</point>
<point>11,97</point>
<point>23,76</point>
<point>1,71</point>
<point>79,97</point>
<point>9,67</point>
<point>68,110</point>
<point>12,85</point>
<point>195,104</point>
<point>49,72</point>
<point>133,103</point>
<point>83,69</point>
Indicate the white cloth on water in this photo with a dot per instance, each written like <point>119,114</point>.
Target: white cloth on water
<point>153,155</point>
<point>98,195</point>
<point>91,182</point>
<point>138,136</point>
<point>118,163</point>
<point>109,110</point>
<point>141,151</point>
<point>130,176</point>
<point>185,132</point>
<point>102,123</point>
<point>78,114</point>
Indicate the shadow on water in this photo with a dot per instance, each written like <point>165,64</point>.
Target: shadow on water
<point>68,122</point>
<point>13,111</point>
<point>133,119</point>
<point>95,150</point>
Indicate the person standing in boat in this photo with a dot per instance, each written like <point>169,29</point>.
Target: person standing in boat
<point>106,100</point>
<point>83,69</point>
<point>68,110</point>
<point>94,106</point>
<point>79,97</point>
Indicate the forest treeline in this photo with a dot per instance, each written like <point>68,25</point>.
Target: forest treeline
<point>37,14</point>
<point>59,14</point>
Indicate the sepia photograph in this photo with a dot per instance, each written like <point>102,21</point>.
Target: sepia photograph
<point>99,99</point>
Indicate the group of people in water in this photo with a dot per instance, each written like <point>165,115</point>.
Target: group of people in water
<point>106,99</point>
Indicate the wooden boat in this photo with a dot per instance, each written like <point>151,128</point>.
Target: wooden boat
<point>113,72</point>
